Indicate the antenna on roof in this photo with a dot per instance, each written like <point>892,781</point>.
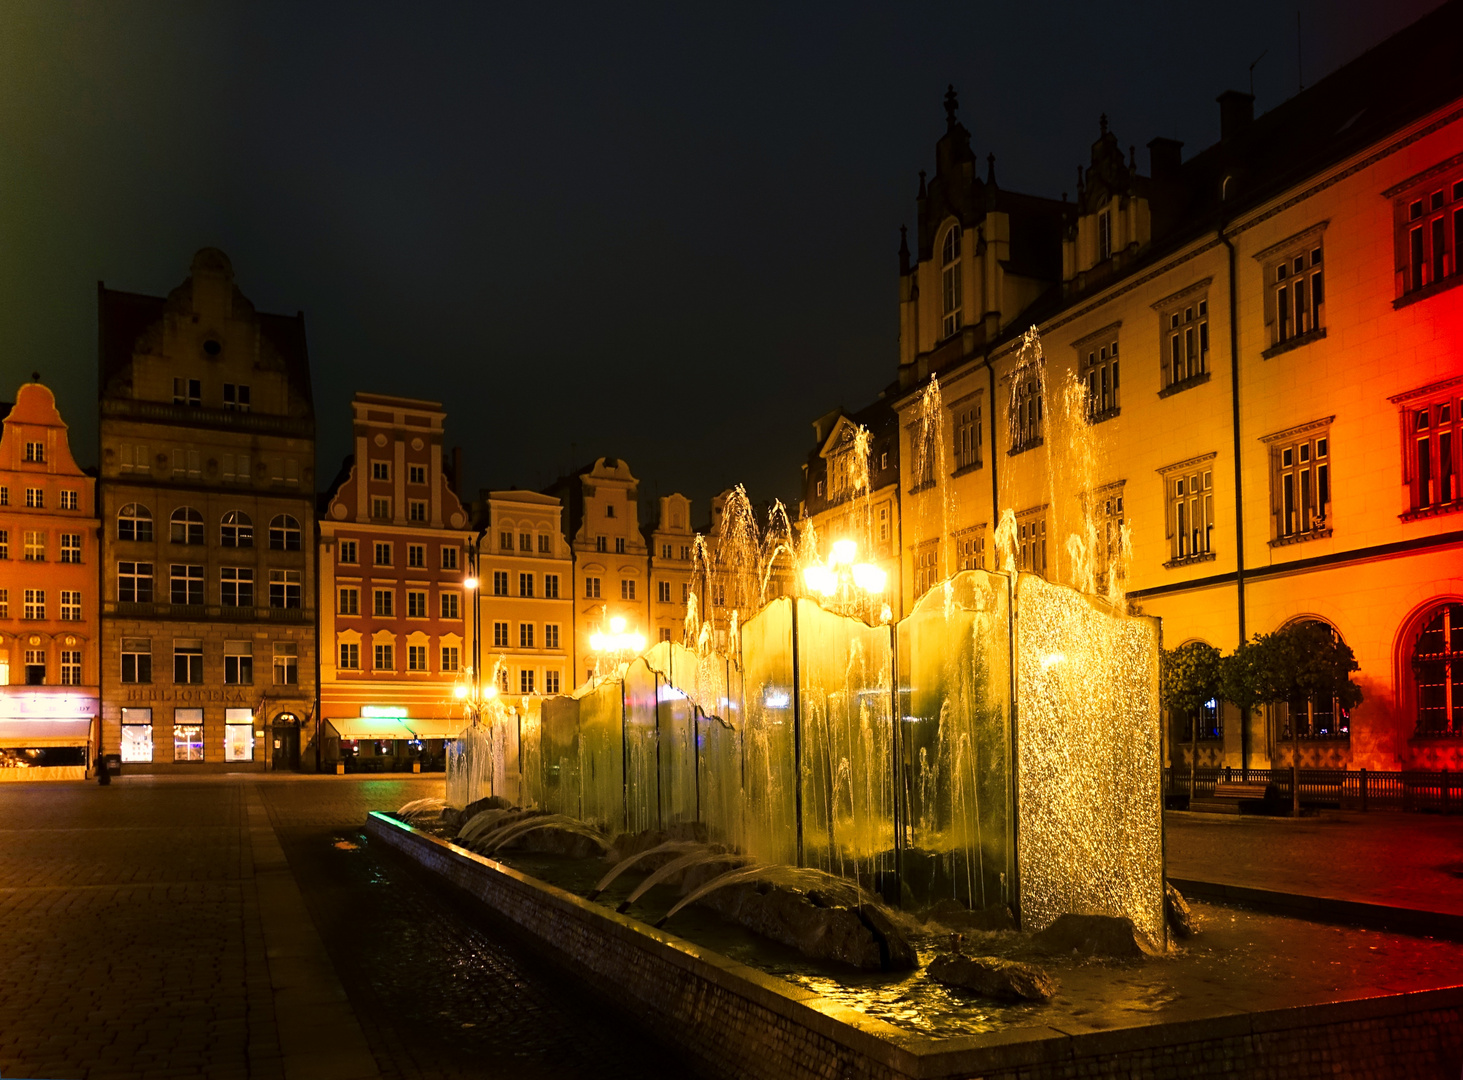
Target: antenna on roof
<point>1253,62</point>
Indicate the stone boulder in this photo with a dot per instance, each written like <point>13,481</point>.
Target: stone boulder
<point>1094,935</point>
<point>992,977</point>
<point>1180,917</point>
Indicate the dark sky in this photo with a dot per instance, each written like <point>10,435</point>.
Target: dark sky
<point>662,233</point>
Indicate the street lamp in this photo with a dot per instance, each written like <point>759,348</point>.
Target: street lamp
<point>846,582</point>
<point>619,644</point>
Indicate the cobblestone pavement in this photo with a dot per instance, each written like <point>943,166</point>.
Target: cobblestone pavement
<point>1415,860</point>
<point>154,929</point>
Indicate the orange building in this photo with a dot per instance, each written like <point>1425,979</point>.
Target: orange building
<point>1269,335</point>
<point>49,682</point>
<point>395,631</point>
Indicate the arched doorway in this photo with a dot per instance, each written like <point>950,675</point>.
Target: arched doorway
<point>286,739</point>
<point>1437,671</point>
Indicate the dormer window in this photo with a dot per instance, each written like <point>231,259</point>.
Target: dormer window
<point>951,293</point>
<point>1104,235</point>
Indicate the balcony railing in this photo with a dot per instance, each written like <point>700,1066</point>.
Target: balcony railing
<point>189,416</point>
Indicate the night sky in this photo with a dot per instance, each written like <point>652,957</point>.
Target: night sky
<point>666,233</point>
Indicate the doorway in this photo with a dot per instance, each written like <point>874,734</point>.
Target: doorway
<point>286,737</point>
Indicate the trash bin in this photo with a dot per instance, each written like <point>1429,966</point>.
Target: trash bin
<point>108,766</point>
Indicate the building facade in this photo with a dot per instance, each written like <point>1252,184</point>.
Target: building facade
<point>395,545</point>
<point>1249,386</point>
<point>49,611</point>
<point>207,466</point>
<point>526,583</point>
<point>672,547</point>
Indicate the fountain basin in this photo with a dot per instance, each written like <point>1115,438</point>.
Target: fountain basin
<point>745,1022</point>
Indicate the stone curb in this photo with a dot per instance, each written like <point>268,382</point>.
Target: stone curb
<point>1329,909</point>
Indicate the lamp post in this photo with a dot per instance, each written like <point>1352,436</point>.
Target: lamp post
<point>618,644</point>
<point>845,582</point>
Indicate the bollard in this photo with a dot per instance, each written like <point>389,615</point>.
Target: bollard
<point>1363,789</point>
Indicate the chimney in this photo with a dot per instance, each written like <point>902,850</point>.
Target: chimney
<point>1236,112</point>
<point>457,471</point>
<point>1164,158</point>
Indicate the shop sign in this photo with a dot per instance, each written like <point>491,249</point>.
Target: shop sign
<point>384,712</point>
<point>29,705</point>
<point>177,693</point>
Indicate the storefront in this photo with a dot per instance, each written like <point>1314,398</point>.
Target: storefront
<point>47,733</point>
<point>383,738</point>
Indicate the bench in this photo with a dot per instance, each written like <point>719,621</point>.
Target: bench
<point>1228,794</point>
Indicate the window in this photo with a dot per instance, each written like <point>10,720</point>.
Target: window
<point>381,508</point>
<point>385,659</point>
<point>186,584</point>
<point>609,510</point>
<point>134,582</point>
<point>663,591</point>
<point>35,498</point>
<point>187,392</point>
<point>881,524</point>
<point>449,558</point>
<point>449,604</point>
<point>236,586</point>
<point>1433,429</point>
<point>35,667</point>
<point>187,734</point>
<point>4,496</point>
<point>287,663</point>
<point>450,661</point>
<point>1313,717</point>
<point>1186,355</point>
<point>601,543</point>
<point>236,396</point>
<point>525,542</point>
<point>416,555</point>
<point>416,604</point>
<point>525,584</point>
<point>1437,672</point>
<point>627,590</point>
<point>1295,304</point>
<point>68,500</point>
<point>819,489</point>
<point>1190,511</point>
<point>136,660</point>
<point>134,522</point>
<point>952,295</point>
<point>348,600</point>
<point>239,663</point>
<point>1429,231</point>
<point>71,605</point>
<point>350,656</point>
<point>380,470</point>
<point>551,635</point>
<point>35,603</point>
<point>665,634</point>
<point>1111,520</point>
<point>1031,544</point>
<point>284,589</point>
<point>186,463</point>
<point>382,602</point>
<point>1104,235</point>
<point>551,681</point>
<point>1100,373</point>
<point>188,661</point>
<point>70,667</point>
<point>543,544</point>
<point>35,451</point>
<point>1210,718</point>
<point>970,550</point>
<point>35,545</point>
<point>525,635</point>
<point>665,551</point>
<point>619,545</point>
<point>505,541</point>
<point>551,586</point>
<point>685,592</point>
<point>236,468</point>
<point>416,658</point>
<point>416,474</point>
<point>500,582</point>
<point>1026,416</point>
<point>926,567</point>
<point>284,534</point>
<point>238,734</point>
<point>70,547</point>
<point>1300,482</point>
<point>136,735</point>
<point>967,436</point>
<point>500,635</point>
<point>382,554</point>
<point>236,530</point>
<point>591,588</point>
<point>4,543</point>
<point>525,680</point>
<point>416,510</point>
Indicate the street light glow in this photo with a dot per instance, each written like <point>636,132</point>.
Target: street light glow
<point>470,583</point>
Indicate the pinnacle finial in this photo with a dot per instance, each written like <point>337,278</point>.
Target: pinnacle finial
<point>1102,123</point>
<point>35,376</point>
<point>952,102</point>
<point>922,184</point>
<point>990,168</point>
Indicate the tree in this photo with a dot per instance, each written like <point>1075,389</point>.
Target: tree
<point>1188,678</point>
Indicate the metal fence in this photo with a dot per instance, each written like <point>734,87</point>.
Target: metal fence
<point>1348,789</point>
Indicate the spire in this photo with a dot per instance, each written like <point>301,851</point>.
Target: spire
<point>921,183</point>
<point>903,249</point>
<point>1133,158</point>
<point>990,169</point>
<point>952,102</point>
<point>1102,123</point>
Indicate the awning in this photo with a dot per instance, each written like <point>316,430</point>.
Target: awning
<point>18,734</point>
<point>371,727</point>
<point>437,729</point>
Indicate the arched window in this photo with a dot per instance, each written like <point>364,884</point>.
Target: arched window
<point>284,534</point>
<point>186,526</point>
<point>237,530</point>
<point>1437,671</point>
<point>134,522</point>
<point>1315,718</point>
<point>952,297</point>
